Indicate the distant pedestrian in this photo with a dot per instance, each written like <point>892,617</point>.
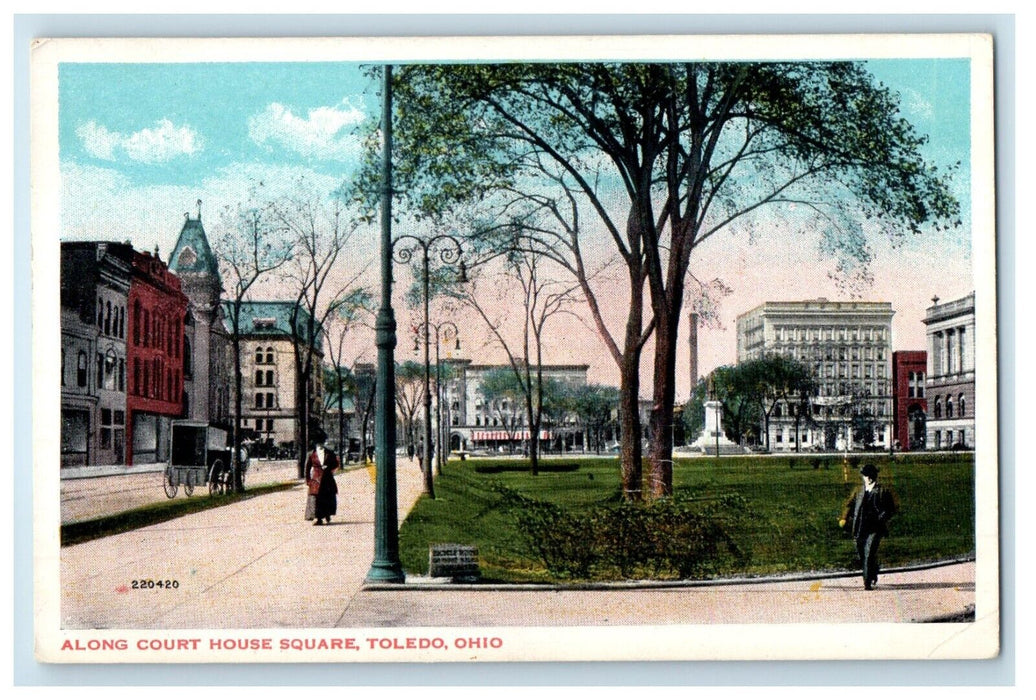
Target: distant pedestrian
<point>866,514</point>
<point>410,451</point>
<point>322,500</point>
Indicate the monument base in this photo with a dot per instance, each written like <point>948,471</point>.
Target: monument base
<point>708,444</point>
<point>712,441</point>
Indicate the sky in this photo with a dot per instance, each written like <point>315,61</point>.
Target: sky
<point>139,144</point>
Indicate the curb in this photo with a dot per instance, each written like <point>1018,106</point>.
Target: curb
<point>423,583</point>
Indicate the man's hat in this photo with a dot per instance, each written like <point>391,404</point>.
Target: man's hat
<point>869,470</point>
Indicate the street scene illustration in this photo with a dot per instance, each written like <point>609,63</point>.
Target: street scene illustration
<point>483,345</point>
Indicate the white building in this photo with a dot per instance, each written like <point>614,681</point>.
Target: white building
<point>848,345</point>
<point>476,422</point>
<point>950,385</point>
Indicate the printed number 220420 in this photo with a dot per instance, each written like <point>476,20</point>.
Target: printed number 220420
<point>140,584</point>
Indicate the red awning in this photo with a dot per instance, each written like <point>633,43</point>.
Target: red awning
<point>486,435</point>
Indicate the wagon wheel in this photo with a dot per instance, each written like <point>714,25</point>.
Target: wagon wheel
<point>188,487</point>
<point>168,484</point>
<point>216,478</point>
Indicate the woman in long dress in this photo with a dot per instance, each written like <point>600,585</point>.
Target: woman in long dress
<point>320,469</point>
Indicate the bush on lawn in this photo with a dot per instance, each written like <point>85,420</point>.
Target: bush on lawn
<point>682,537</point>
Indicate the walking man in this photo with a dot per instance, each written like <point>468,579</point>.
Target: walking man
<point>867,512</point>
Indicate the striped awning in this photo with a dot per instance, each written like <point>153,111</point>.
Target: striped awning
<point>486,435</point>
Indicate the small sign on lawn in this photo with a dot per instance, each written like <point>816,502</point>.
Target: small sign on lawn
<point>457,561</point>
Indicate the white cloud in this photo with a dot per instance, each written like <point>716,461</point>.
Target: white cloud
<point>322,133</point>
<point>158,144</point>
<point>97,140</point>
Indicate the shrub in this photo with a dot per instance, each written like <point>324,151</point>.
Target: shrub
<point>681,537</point>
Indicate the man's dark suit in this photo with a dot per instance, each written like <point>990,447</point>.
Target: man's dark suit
<point>868,513</point>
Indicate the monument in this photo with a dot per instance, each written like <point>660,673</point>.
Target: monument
<point>713,441</point>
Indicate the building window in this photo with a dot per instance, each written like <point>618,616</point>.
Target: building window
<point>960,406</point>
<point>258,356</point>
<point>938,439</point>
<point>949,407</point>
<point>188,366</point>
<point>270,402</point>
<point>937,407</point>
<point>269,356</point>
<point>258,377</point>
<point>269,377</point>
<point>258,400</point>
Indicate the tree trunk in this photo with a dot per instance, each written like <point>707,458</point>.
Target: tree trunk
<point>630,454</point>
<point>664,395</point>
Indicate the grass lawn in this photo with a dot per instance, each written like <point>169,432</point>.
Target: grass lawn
<point>790,508</point>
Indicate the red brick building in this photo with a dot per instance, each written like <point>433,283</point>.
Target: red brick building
<point>154,357</point>
<point>909,405</point>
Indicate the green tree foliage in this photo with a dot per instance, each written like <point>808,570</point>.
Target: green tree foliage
<point>664,156</point>
<point>595,407</point>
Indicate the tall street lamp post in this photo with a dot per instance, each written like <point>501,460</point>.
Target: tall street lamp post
<point>439,328</point>
<point>386,566</point>
<point>449,250</point>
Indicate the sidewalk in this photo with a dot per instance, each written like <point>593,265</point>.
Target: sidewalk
<point>258,564</point>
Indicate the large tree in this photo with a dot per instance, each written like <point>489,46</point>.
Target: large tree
<point>539,298</point>
<point>320,229</point>
<point>351,310</point>
<point>250,247</point>
<point>665,156</point>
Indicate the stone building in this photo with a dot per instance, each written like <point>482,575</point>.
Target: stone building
<point>910,407</point>
<point>208,366</point>
<point>848,346</point>
<point>476,422</point>
<point>269,385</point>
<point>95,283</point>
<point>950,384</point>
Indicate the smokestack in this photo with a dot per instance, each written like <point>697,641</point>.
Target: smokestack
<point>692,337</point>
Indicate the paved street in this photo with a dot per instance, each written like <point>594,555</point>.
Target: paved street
<point>258,564</point>
<point>95,497</point>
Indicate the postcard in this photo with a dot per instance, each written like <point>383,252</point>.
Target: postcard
<point>501,348</point>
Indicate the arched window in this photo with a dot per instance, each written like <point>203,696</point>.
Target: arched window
<point>949,407</point>
<point>270,402</point>
<point>269,377</point>
<point>108,319</point>
<point>258,377</point>
<point>937,410</point>
<point>269,356</point>
<point>258,356</point>
<point>777,411</point>
<point>960,406</point>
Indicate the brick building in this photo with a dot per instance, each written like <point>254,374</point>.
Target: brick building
<point>155,331</point>
<point>909,404</point>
